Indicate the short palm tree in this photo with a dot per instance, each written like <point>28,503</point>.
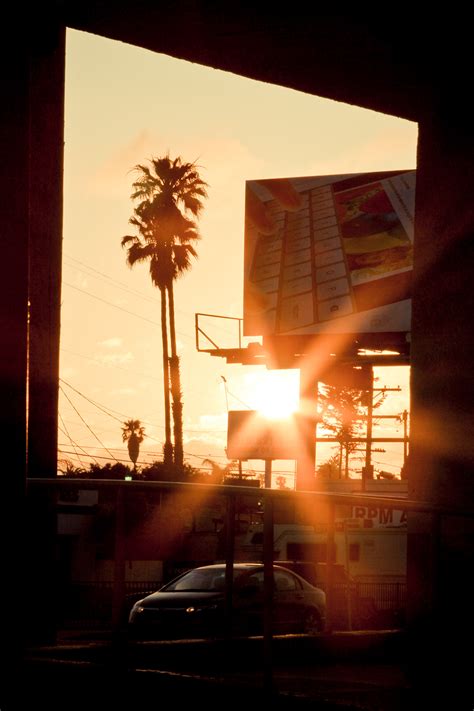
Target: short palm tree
<point>133,433</point>
<point>169,195</point>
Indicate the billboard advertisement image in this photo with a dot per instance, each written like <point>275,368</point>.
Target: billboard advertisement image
<point>329,254</point>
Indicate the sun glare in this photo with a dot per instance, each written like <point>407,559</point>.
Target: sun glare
<point>277,394</point>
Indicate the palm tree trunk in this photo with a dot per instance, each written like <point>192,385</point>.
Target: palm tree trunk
<point>175,386</point>
<point>168,446</point>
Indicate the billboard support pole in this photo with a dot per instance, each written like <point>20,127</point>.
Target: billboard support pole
<point>306,462</point>
<point>268,582</point>
<point>229,563</point>
<point>368,470</point>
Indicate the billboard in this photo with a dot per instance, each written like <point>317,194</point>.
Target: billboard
<point>330,254</point>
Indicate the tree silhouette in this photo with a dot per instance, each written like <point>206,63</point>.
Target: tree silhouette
<point>168,195</point>
<point>218,471</point>
<point>343,414</point>
<point>133,433</point>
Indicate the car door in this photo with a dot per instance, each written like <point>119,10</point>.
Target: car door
<point>288,602</point>
<point>249,603</point>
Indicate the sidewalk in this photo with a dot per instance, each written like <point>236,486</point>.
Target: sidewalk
<point>357,670</point>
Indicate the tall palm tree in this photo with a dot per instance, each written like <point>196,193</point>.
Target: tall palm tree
<point>169,195</point>
<point>142,248</point>
<point>133,433</point>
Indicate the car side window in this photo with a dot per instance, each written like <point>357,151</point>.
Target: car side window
<point>284,582</point>
<point>255,579</point>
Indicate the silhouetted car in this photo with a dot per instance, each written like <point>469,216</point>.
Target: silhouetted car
<point>194,604</point>
<point>349,606</point>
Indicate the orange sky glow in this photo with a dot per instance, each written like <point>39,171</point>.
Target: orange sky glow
<point>124,105</point>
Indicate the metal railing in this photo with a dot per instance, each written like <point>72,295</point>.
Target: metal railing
<point>374,605</point>
<point>109,597</point>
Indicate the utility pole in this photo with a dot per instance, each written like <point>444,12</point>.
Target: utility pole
<point>368,469</point>
<point>405,436</point>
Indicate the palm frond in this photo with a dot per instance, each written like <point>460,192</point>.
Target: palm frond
<point>182,254</point>
<point>167,193</point>
<point>193,204</point>
<point>162,270</point>
<point>138,252</point>
<point>129,238</point>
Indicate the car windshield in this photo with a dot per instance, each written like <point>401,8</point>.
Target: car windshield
<point>201,580</point>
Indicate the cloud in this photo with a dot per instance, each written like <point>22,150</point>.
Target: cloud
<point>212,422</point>
<point>199,448</point>
<point>115,342</point>
<point>115,358</point>
<point>209,431</point>
<point>391,149</point>
<point>124,391</point>
<point>224,162</point>
<point>114,177</point>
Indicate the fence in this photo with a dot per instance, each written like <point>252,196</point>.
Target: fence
<point>368,605</point>
<point>89,605</point>
<point>374,605</point>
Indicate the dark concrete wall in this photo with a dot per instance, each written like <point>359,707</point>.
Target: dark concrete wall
<point>441,469</point>
<point>47,76</point>
<point>399,66</point>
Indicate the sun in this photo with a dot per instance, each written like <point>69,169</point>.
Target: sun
<point>276,393</point>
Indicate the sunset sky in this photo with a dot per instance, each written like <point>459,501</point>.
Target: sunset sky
<point>123,106</point>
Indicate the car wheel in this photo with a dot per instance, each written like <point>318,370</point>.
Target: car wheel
<point>312,622</point>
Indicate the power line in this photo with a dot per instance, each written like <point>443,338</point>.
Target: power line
<point>120,308</point>
<point>98,456</point>
<point>387,464</point>
<point>109,411</point>
<point>110,365</point>
<point>91,401</point>
<point>65,431</point>
<point>71,441</point>
<point>83,420</point>
<point>137,372</point>
<point>150,454</point>
<point>143,463</point>
<point>121,285</point>
<point>118,284</point>
<point>239,400</point>
<point>92,446</point>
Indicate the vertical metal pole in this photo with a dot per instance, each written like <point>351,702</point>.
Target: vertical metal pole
<point>367,472</point>
<point>118,595</point>
<point>268,581</point>
<point>348,590</point>
<point>405,436</point>
<point>229,563</point>
<point>316,418</point>
<point>436,524</point>
<point>330,546</point>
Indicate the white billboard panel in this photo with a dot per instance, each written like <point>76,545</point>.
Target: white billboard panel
<point>329,254</point>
